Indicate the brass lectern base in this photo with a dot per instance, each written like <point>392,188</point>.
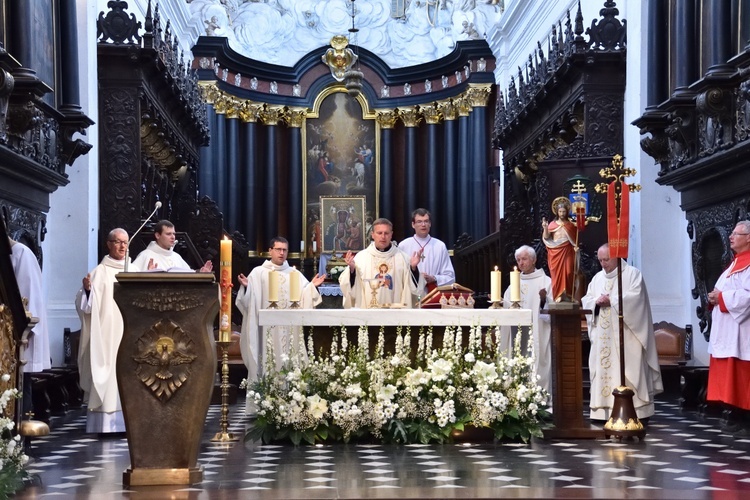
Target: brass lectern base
<point>153,477</point>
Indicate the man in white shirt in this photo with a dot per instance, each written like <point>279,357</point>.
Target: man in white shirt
<point>160,253</point>
<point>435,264</point>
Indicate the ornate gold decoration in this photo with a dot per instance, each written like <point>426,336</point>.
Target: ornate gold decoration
<point>295,117</point>
<point>233,108</point>
<point>463,105</point>
<point>222,102</point>
<point>478,94</point>
<point>410,117</point>
<point>449,109</point>
<point>271,115</point>
<point>339,58</point>
<point>387,118</point>
<point>8,361</point>
<point>249,112</point>
<point>165,354</point>
<point>432,114</point>
<point>166,299</point>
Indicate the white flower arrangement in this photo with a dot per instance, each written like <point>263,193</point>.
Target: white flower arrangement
<point>399,397</point>
<point>336,272</point>
<point>12,457</point>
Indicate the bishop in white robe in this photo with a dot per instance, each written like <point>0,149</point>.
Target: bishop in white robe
<point>642,373</point>
<point>101,333</point>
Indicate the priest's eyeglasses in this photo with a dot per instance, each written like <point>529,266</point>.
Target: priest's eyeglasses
<point>422,222</point>
<point>118,242</point>
<point>735,233</point>
<point>280,249</point>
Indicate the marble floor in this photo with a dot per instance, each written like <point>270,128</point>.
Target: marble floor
<point>684,456</point>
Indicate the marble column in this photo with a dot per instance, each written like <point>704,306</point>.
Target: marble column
<point>387,120</point>
<point>295,119</point>
<point>464,206</point>
<point>720,41</point>
<point>449,216</point>
<point>410,118</point>
<point>69,55</point>
<point>270,117</point>
<point>684,62</point>
<point>252,187</point>
<point>433,171</point>
<point>206,171</point>
<point>478,97</point>
<point>657,84</point>
<point>234,184</point>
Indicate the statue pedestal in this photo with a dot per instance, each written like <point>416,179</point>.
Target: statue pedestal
<point>165,372</point>
<point>567,378</point>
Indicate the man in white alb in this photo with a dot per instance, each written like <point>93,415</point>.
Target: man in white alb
<point>159,254</point>
<point>535,288</point>
<point>101,333</point>
<point>253,296</point>
<point>434,263</point>
<point>382,268</point>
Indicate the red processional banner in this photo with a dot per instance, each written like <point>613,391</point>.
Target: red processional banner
<point>618,222</point>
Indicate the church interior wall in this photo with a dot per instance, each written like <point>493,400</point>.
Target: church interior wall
<point>660,244</point>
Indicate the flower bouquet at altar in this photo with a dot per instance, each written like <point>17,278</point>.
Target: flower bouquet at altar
<point>12,457</point>
<point>350,393</point>
<point>335,272</point>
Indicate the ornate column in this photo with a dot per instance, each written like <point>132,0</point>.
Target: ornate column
<point>720,40</point>
<point>234,183</point>
<point>465,204</point>
<point>410,118</point>
<point>449,215</point>
<point>69,55</point>
<point>207,167</point>
<point>683,40</point>
<point>219,152</point>
<point>270,117</point>
<point>386,120</point>
<point>433,169</point>
<point>295,119</point>
<point>478,97</point>
<point>658,70</point>
<point>251,185</point>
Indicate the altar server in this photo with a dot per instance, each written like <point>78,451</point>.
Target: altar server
<point>435,264</point>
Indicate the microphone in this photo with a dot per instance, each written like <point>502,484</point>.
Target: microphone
<point>157,206</point>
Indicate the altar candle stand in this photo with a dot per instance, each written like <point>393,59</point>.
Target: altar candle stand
<point>302,256</point>
<point>225,337</point>
<point>495,287</point>
<point>515,289</point>
<point>294,289</point>
<point>315,257</point>
<point>273,290</point>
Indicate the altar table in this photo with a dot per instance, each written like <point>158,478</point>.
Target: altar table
<point>395,317</point>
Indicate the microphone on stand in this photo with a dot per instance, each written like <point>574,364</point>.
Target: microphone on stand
<point>157,206</point>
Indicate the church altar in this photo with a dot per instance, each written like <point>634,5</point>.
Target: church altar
<point>395,317</point>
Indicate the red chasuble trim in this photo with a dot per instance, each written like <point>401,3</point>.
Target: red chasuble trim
<point>740,263</point>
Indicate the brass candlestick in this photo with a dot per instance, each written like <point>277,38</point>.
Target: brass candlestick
<point>496,304</point>
<point>223,436</point>
<point>515,304</point>
<point>273,304</point>
<point>294,304</point>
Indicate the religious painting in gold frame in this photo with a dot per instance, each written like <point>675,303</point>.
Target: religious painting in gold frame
<point>343,226</point>
<point>341,158</point>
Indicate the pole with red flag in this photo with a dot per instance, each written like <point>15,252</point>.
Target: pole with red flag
<point>624,421</point>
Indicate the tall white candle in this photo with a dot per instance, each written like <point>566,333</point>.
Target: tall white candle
<point>302,247</point>
<point>515,285</point>
<point>315,246</point>
<point>273,286</point>
<point>495,286</point>
<point>294,286</point>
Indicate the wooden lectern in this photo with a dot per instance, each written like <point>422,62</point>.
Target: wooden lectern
<point>567,378</point>
<point>165,372</point>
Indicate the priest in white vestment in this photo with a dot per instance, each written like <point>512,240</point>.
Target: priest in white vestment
<point>435,264</point>
<point>253,296</point>
<point>382,273</point>
<point>642,373</point>
<point>29,279</point>
<point>101,333</point>
<point>536,286</point>
<point>160,254</point>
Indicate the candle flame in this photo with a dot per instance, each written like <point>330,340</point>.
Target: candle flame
<point>495,268</point>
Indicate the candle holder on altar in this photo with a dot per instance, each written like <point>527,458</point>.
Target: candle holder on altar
<point>496,304</point>
<point>273,304</point>
<point>515,304</point>
<point>293,305</point>
<point>223,435</point>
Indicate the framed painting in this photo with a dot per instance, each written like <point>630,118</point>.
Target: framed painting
<point>342,224</point>
<point>340,159</point>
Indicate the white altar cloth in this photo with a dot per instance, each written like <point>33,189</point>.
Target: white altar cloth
<point>395,317</point>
